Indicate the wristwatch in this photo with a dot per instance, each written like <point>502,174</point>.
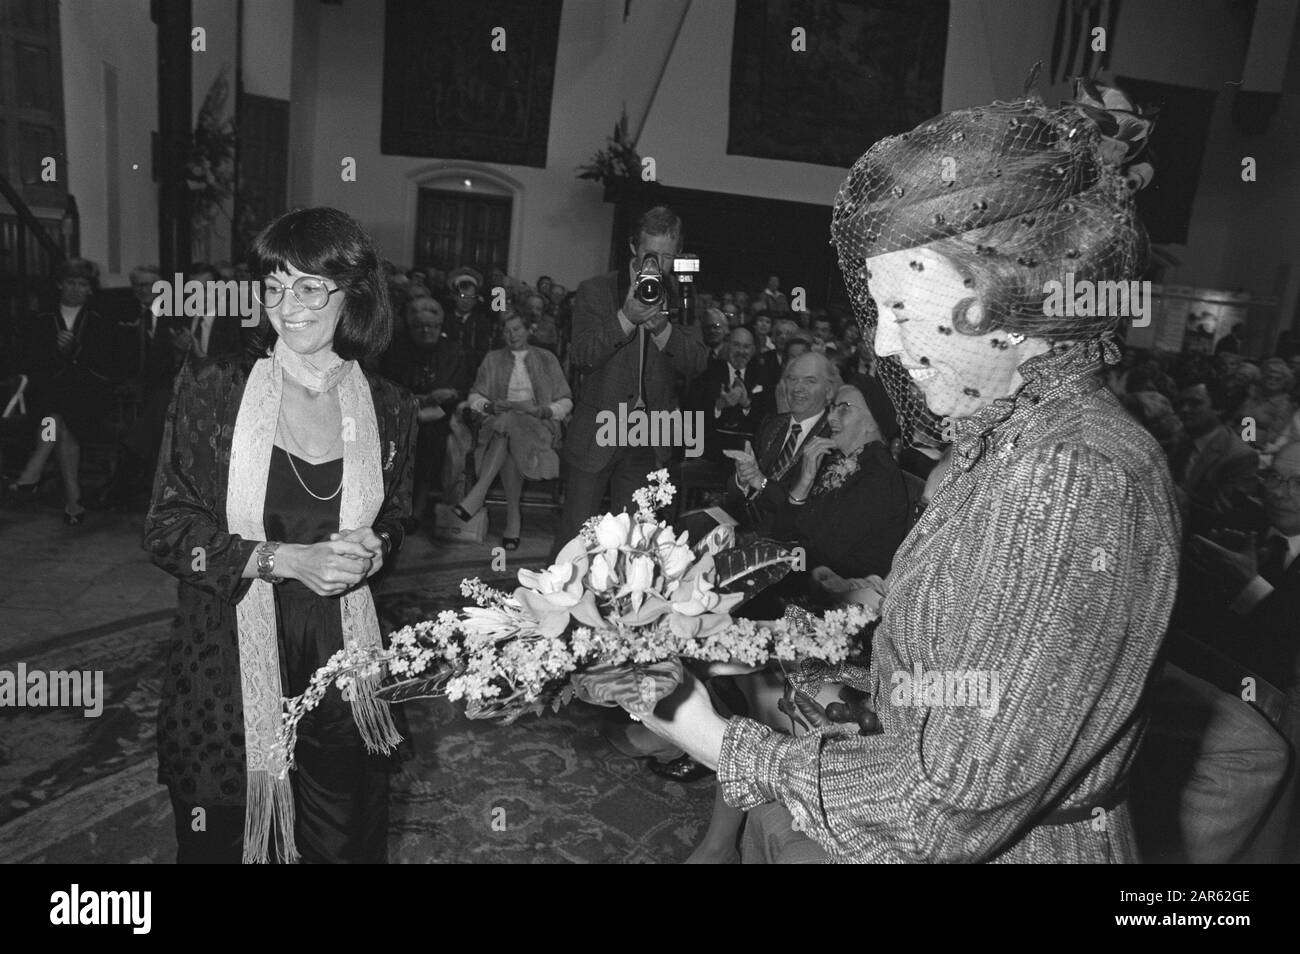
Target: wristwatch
<point>266,562</point>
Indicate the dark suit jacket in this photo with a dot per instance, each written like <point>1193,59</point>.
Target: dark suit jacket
<point>200,718</point>
<point>226,339</point>
<point>734,425</point>
<point>608,359</point>
<point>1265,641</point>
<point>77,383</point>
<point>755,513</point>
<point>157,357</point>
<point>422,372</point>
<point>474,332</point>
<point>772,363</point>
<point>1223,473</point>
<point>855,528</point>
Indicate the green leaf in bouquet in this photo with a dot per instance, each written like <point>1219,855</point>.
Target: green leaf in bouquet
<point>752,568</point>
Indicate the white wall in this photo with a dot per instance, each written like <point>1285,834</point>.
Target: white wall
<point>218,19</point>
<point>121,34</point>
<point>602,63</point>
<point>268,37</point>
<point>687,129</point>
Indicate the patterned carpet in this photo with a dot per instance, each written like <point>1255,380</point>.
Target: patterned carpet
<point>546,789</point>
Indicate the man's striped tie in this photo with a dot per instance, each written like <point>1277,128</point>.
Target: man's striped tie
<point>787,452</point>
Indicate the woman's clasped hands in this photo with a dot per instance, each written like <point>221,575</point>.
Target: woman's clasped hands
<point>333,566</point>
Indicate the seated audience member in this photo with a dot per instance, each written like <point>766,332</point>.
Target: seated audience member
<point>773,298</point>
<point>542,330</point>
<point>848,505</point>
<point>734,396</point>
<point>1153,411</point>
<point>761,326</point>
<point>1212,783</point>
<point>1149,375</point>
<point>436,280</point>
<point>734,316</point>
<point>714,331</point>
<point>850,333</point>
<point>209,336</point>
<point>798,345</point>
<point>522,393</point>
<point>470,324</point>
<point>432,367</point>
<point>559,301</point>
<point>773,360</point>
<point>155,370</point>
<point>65,355</point>
<point>1213,468</point>
<point>822,334</point>
<point>758,489</point>
<point>1272,409</point>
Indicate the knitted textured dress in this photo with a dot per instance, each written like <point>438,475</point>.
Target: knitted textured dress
<point>1048,559</point>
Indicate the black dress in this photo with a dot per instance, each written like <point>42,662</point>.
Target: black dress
<point>75,383</point>
<point>340,790</point>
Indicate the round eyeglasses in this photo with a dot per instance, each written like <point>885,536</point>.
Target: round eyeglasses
<point>1272,478</point>
<point>311,292</point>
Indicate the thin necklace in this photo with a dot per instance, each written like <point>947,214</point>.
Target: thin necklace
<point>294,467</point>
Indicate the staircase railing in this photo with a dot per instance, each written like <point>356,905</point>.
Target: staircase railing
<point>28,256</point>
<point>28,223</point>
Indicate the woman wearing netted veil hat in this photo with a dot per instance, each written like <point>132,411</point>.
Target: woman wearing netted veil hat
<point>1044,568</point>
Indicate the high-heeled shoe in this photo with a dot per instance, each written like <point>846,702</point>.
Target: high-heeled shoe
<point>510,543</point>
<point>22,490</point>
<point>74,519</point>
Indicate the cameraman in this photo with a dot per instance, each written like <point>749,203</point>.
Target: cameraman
<point>629,353</point>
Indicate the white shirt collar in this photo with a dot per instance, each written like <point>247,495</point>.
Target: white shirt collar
<point>808,423</point>
<point>1292,544</point>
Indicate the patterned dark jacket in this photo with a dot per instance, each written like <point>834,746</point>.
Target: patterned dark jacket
<point>757,511</point>
<point>201,717</point>
<point>608,358</point>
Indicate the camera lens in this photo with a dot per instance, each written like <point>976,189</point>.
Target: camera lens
<point>649,289</point>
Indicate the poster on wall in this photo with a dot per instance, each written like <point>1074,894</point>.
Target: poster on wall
<point>449,92</point>
<point>860,70</point>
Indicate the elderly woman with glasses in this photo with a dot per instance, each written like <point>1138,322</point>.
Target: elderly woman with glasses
<point>280,492</point>
<point>1043,570</point>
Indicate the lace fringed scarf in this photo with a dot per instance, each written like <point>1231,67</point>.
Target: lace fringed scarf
<point>269,796</point>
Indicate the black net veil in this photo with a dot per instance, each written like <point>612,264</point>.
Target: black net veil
<point>1014,195</point>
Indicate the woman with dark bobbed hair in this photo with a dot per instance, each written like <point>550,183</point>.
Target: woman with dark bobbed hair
<point>1024,611</point>
<point>279,493</point>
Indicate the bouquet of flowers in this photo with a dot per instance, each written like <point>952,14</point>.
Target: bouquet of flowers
<point>608,623</point>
